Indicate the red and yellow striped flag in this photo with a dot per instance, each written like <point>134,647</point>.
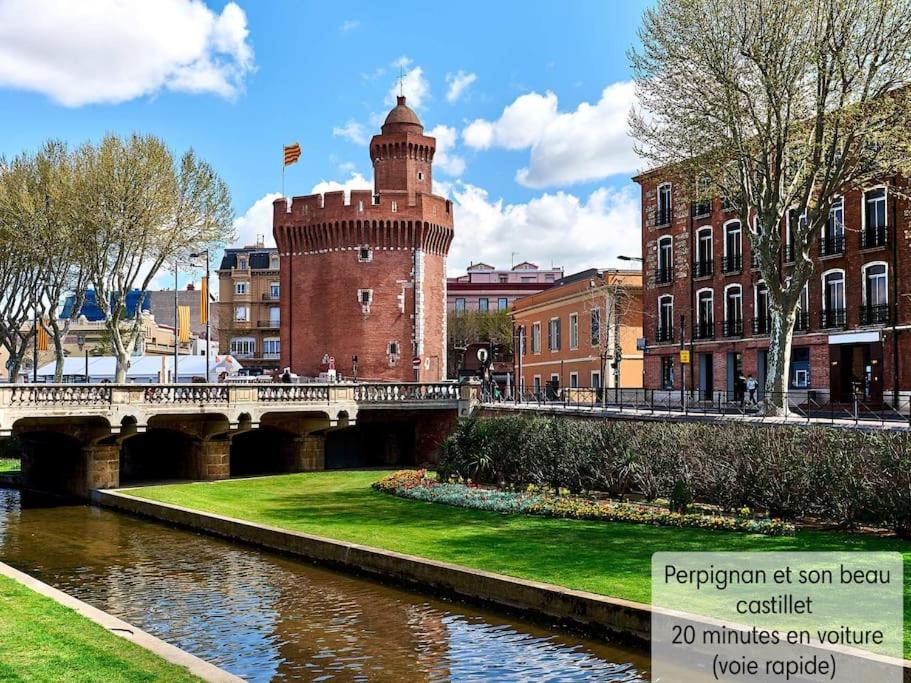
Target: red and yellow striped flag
<point>183,323</point>
<point>204,302</point>
<point>43,339</point>
<point>292,153</point>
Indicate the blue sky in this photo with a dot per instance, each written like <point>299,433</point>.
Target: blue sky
<point>527,101</point>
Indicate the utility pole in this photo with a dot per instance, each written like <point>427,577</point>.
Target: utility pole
<point>682,366</point>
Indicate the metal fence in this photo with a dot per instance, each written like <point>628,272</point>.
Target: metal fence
<point>808,406</point>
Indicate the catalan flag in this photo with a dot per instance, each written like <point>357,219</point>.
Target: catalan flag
<point>292,153</point>
<point>43,339</point>
<point>204,302</point>
<point>183,323</point>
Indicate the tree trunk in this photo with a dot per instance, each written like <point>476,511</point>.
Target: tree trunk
<point>779,361</point>
<point>120,374</point>
<point>13,365</point>
<point>59,359</point>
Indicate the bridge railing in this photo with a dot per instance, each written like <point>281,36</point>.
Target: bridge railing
<point>186,393</point>
<point>406,392</point>
<point>69,394</point>
<point>293,393</point>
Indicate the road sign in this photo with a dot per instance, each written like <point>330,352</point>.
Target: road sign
<point>482,355</point>
<point>416,362</point>
<point>685,357</point>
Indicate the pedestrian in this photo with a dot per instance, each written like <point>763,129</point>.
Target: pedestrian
<point>740,394</point>
<point>752,386</point>
<point>286,376</point>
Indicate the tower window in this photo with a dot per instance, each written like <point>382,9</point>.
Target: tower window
<point>376,200</point>
<point>365,254</point>
<point>420,175</point>
<point>360,206</point>
<point>395,206</point>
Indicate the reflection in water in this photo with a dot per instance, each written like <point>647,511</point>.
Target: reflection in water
<point>264,617</point>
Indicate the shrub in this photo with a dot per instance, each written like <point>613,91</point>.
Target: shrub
<point>845,476</point>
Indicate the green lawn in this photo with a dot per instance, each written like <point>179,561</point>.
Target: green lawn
<point>8,465</point>
<point>610,558</point>
<point>41,640</point>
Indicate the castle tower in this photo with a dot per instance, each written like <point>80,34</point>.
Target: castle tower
<point>367,277</point>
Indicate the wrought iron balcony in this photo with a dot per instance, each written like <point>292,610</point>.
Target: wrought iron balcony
<point>663,276</point>
<point>663,216</point>
<point>802,321</point>
<point>702,208</point>
<point>880,314</point>
<point>873,237</point>
<point>273,324</point>
<point>704,329</point>
<point>762,325</point>
<point>703,268</point>
<point>833,317</point>
<point>733,328</point>
<point>732,264</point>
<point>832,246</point>
<point>664,334</point>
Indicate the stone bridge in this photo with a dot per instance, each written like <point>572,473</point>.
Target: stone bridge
<point>79,437</point>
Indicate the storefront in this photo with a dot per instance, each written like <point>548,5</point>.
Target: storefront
<point>856,367</point>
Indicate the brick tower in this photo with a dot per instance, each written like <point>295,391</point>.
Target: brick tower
<point>367,277</point>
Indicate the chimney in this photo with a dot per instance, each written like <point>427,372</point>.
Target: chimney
<point>191,287</point>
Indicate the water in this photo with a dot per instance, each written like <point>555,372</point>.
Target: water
<point>267,617</point>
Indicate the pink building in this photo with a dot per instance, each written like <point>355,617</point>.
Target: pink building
<point>484,288</point>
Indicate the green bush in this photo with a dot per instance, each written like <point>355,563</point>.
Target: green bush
<point>848,477</point>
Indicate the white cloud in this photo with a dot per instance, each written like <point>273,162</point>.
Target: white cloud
<point>255,222</point>
<point>112,51</point>
<point>559,229</point>
<point>458,83</point>
<point>587,144</point>
<point>443,158</point>
<point>352,130</point>
<point>415,87</point>
<point>349,25</point>
<point>355,182</point>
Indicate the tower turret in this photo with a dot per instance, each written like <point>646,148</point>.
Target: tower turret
<point>402,155</point>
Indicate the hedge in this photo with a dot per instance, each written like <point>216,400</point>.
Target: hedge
<point>847,477</point>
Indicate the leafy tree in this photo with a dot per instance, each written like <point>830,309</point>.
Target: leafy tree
<point>471,327</point>
<point>777,107</point>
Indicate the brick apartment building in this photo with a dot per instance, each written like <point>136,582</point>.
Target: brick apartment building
<point>565,331</point>
<point>484,288</point>
<point>365,275</point>
<point>249,314</point>
<point>852,333</point>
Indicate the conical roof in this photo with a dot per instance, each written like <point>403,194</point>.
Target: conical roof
<point>401,117</point>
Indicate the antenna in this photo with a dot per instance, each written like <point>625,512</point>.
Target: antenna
<point>513,259</point>
<point>401,80</point>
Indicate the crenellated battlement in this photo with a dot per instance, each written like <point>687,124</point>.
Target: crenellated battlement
<point>360,204</point>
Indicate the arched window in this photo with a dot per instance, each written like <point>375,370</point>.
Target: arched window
<point>665,318</point>
<point>703,265</point>
<point>802,321</point>
<point>762,321</point>
<point>733,248</point>
<point>705,303</point>
<point>733,311</point>
<point>833,298</point>
<point>663,210</point>
<point>873,233</point>
<point>665,260</point>
<point>833,239</point>
<point>875,310</point>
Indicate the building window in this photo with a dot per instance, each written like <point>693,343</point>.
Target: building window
<point>574,331</point>
<point>536,383</point>
<point>667,372</point>
<point>733,248</point>
<point>733,311</point>
<point>794,223</point>
<point>274,290</point>
<point>364,254</point>
<point>553,334</point>
<point>800,367</point>
<point>273,262</point>
<point>460,305</point>
<point>360,206</point>
<point>665,260</point>
<point>802,320</point>
<point>365,298</point>
<point>703,204</point>
<point>274,316</point>
<point>574,380</point>
<point>240,287</point>
<point>704,314</point>
<point>666,318</point>
<point>536,338</point>
<point>762,320</point>
<point>873,233</point>
<point>243,347</point>
<point>704,266</point>
<point>483,305</point>
<point>395,206</point>
<point>596,379</point>
<point>502,303</point>
<point>663,212</point>
<point>595,326</point>
<point>876,295</point>
<point>833,239</point>
<point>420,175</point>
<point>271,347</point>
<point>242,263</point>
<point>833,299</point>
<point>241,314</point>
<point>392,348</point>
<point>503,279</point>
<point>376,200</point>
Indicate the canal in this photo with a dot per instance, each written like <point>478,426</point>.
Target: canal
<point>267,617</point>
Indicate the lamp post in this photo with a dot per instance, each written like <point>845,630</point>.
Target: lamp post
<point>197,254</point>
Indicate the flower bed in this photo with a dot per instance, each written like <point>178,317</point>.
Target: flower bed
<point>416,485</point>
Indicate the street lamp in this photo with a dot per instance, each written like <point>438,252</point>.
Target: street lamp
<point>197,254</point>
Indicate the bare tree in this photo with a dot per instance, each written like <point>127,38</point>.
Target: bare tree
<point>144,212</point>
<point>781,106</point>
<point>609,305</point>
